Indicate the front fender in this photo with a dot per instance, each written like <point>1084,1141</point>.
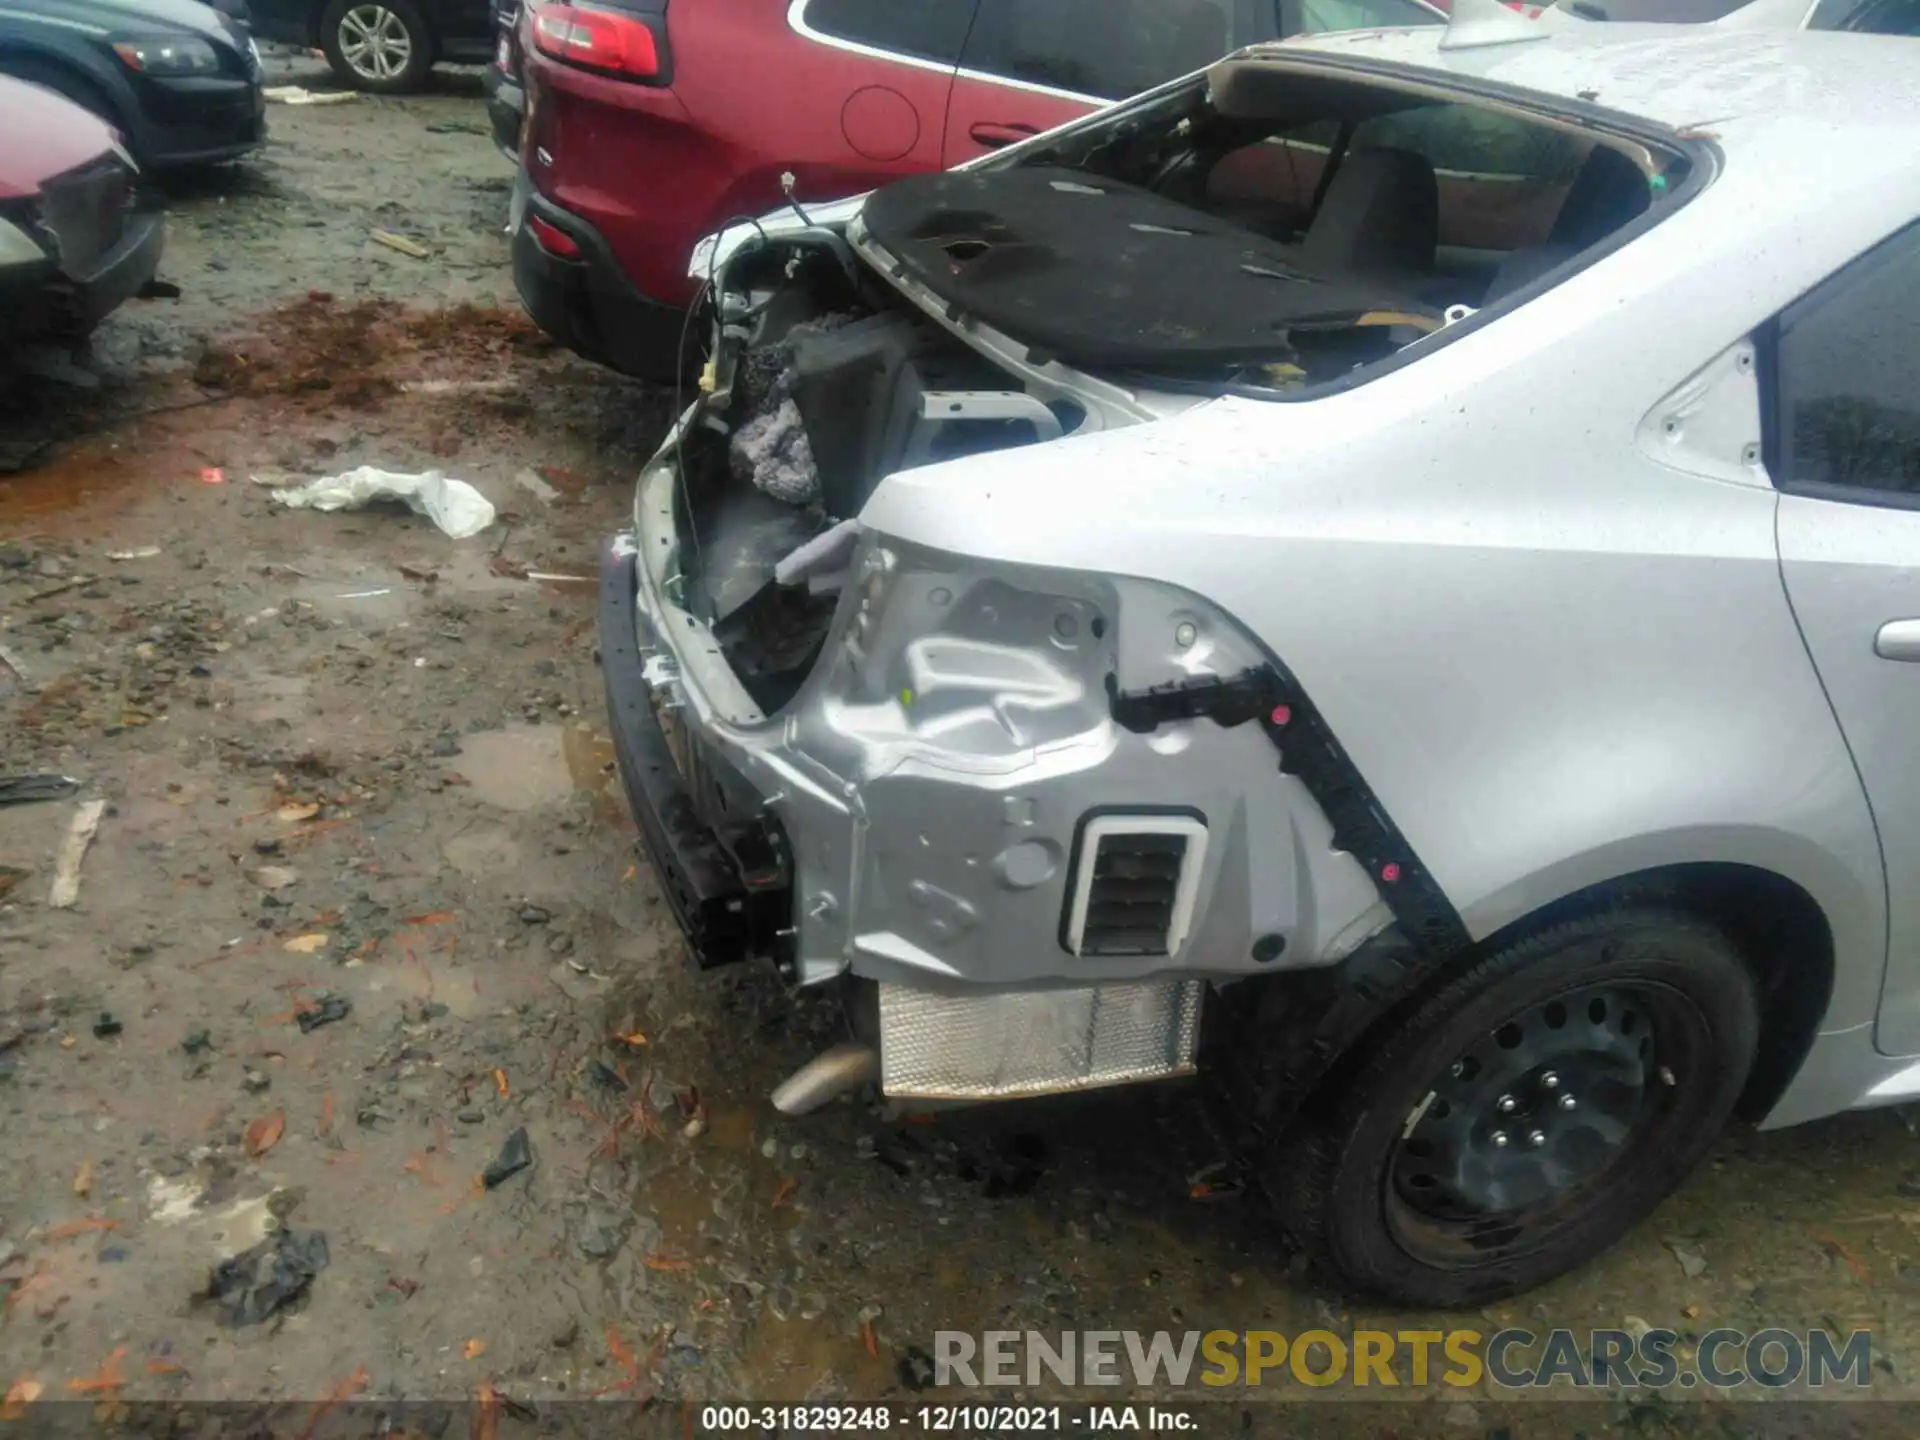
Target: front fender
<point>1852,904</point>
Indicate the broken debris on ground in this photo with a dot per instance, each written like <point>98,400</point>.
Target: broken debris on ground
<point>258,1283</point>
<point>456,507</point>
<point>515,1155</point>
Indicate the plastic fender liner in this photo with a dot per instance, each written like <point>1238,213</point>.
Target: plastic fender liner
<point>1268,1043</point>
<point>1310,753</point>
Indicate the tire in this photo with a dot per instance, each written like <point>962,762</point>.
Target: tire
<point>1457,1162</point>
<point>381,46</point>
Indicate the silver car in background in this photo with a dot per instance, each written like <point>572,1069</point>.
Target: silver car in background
<point>1386,572</point>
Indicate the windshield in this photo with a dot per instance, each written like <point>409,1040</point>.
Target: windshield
<point>1280,225</point>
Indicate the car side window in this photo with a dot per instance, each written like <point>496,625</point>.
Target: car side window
<point>1502,181</point>
<point>1867,17</point>
<point>1320,17</point>
<point>924,29</point>
<point>1885,17</point>
<point>1108,49</point>
<point>1467,140</point>
<point>1845,380</point>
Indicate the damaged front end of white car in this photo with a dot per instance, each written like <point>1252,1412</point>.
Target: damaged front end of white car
<point>1281,578</point>
<point>1030,814</point>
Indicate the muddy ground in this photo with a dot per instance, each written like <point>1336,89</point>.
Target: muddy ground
<point>364,905</point>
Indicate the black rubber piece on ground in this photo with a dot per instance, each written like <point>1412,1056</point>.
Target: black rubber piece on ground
<point>328,1009</point>
<point>1330,1180</point>
<point>515,1156</point>
<point>274,1274</point>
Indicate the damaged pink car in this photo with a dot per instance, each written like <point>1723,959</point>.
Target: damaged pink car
<point>75,239</point>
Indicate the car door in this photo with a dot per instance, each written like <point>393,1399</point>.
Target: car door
<point>1841,370</point>
<point>878,74</point>
<point>1030,65</point>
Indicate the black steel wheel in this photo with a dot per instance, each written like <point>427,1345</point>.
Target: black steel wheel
<point>1529,1112</point>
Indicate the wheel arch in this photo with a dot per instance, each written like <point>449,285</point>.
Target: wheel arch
<point>1779,929</point>
<point>1284,1043</point>
<point>1839,874</point>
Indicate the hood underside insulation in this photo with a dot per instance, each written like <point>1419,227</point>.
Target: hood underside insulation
<point>1096,272</point>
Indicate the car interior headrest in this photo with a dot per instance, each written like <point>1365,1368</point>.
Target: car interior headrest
<point>1381,215</point>
<point>1609,191</point>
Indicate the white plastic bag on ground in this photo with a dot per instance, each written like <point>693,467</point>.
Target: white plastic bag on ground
<point>455,506</point>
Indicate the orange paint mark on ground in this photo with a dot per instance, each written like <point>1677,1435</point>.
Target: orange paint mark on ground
<point>105,1380</point>
<point>72,1228</point>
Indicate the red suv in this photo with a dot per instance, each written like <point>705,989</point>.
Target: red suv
<point>652,122</point>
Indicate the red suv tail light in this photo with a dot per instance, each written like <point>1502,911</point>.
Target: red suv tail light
<point>552,239</point>
<point>609,41</point>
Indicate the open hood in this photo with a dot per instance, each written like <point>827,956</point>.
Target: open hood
<point>65,136</point>
<point>1097,272</point>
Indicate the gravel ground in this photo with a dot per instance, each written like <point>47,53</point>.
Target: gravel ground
<point>364,917</point>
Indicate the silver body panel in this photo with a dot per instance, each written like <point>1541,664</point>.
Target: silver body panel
<point>1007,1044</point>
<point>931,837</point>
<point>1532,579</point>
<point>1852,573</point>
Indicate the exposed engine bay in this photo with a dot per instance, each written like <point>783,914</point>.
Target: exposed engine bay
<point>1266,235</point>
<point>821,394</point>
<point>825,382</point>
<point>1034,805</point>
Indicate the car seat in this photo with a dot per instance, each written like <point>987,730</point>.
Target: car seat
<point>1610,191</point>
<point>1380,218</point>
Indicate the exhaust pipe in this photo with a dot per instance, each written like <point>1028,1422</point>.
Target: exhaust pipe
<point>829,1075</point>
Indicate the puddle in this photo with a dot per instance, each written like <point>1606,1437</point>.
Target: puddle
<point>526,766</point>
<point>465,569</point>
<point>272,698</point>
<point>480,853</point>
<point>589,757</point>
<point>519,768</point>
<point>789,1359</point>
<point>759,1214</point>
<point>80,477</point>
<point>730,1128</point>
<point>368,598</point>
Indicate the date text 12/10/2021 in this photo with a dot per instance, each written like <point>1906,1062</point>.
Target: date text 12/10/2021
<point>961,1419</point>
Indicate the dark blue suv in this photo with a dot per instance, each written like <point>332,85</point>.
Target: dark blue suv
<point>180,80</point>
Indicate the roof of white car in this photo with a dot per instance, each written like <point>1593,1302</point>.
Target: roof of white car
<point>1678,75</point>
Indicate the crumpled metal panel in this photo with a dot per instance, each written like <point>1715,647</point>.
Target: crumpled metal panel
<point>1005,1045</point>
<point>87,209</point>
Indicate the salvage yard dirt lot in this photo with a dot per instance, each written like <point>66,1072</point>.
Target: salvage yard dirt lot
<point>365,921</point>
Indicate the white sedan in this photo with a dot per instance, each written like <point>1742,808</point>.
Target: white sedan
<point>1386,571</point>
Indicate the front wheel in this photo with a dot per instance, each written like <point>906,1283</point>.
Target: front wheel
<point>1526,1115</point>
<point>379,45</point>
